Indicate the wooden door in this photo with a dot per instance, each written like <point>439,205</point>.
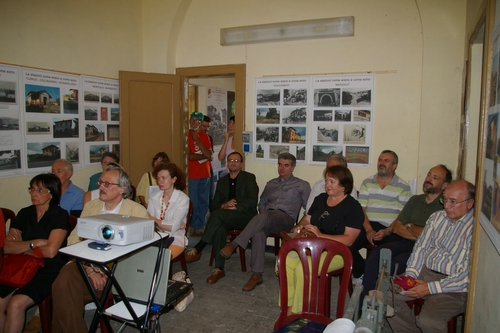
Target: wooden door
<point>150,121</point>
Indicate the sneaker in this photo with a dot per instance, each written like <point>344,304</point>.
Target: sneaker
<point>34,326</point>
<point>358,280</point>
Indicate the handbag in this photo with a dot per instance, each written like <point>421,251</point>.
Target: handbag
<point>183,303</point>
<point>19,269</point>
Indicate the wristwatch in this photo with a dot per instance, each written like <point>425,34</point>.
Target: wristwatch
<point>408,226</point>
<point>389,232</point>
<point>32,246</point>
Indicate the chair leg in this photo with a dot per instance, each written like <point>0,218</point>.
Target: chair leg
<point>46,314</point>
<point>183,263</point>
<point>276,245</point>
<point>243,261</point>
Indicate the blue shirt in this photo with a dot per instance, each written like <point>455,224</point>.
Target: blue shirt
<point>72,199</point>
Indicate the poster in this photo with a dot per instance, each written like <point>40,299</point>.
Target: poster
<point>314,117</point>
<point>101,102</point>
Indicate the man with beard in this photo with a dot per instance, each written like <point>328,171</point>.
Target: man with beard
<point>408,226</point>
<point>382,197</point>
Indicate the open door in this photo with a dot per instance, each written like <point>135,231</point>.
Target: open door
<point>151,121</point>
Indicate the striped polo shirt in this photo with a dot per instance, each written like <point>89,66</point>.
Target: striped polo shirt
<point>383,205</point>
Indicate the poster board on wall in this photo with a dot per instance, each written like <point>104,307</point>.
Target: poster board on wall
<point>43,118</point>
<point>313,117</point>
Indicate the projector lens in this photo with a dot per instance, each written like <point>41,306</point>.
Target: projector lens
<point>107,232</point>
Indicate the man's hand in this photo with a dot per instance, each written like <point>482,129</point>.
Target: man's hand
<point>96,279</point>
<point>231,204</point>
<point>379,235</point>
<point>419,291</point>
<point>370,233</point>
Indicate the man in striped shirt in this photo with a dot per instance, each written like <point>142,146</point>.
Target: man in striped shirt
<point>440,263</point>
<point>382,198</point>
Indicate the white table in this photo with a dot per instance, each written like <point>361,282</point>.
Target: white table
<point>83,254</point>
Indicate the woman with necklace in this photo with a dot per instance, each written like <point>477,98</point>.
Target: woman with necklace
<point>334,215</point>
<point>43,225</point>
<point>169,206</point>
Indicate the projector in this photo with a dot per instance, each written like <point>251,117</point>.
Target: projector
<point>116,229</point>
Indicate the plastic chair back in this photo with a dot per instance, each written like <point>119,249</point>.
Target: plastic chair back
<point>316,299</point>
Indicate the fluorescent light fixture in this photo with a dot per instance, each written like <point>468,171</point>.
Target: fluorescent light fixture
<point>321,28</point>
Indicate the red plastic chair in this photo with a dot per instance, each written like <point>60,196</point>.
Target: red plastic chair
<point>181,256</point>
<point>452,323</point>
<point>8,215</point>
<point>316,302</point>
<point>233,233</point>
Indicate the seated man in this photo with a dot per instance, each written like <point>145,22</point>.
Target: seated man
<point>440,263</point>
<point>409,225</point>
<point>233,206</point>
<point>382,197</point>
<point>319,186</point>
<point>279,208</point>
<point>71,195</point>
<point>69,292</point>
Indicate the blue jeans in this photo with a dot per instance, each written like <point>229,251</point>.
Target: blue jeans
<point>199,191</point>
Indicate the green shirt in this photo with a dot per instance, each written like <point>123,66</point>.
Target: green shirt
<point>417,210</point>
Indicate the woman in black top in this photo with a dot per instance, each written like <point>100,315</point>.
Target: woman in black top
<point>334,215</point>
<point>43,225</point>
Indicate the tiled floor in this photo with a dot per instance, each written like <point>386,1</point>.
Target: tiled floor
<point>224,307</point>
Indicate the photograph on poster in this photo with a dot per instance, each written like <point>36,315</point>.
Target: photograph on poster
<point>116,98</point>
<point>293,116</point>
<point>259,152</point>
<point>327,97</point>
<point>42,154</point>
<point>91,96</point>
<point>267,134</point>
<point>115,114</point>
<point>357,154</point>
<point>72,152</point>
<point>275,150</point>
<point>94,132</point>
<point>96,151</point>
<point>7,92</point>
<point>106,98</point>
<point>487,189</point>
<point>328,133</point>
<point>268,97</point>
<point>38,127</point>
<point>90,113</point>
<point>113,132</point>
<point>356,96</point>
<point>104,114</point>
<point>355,134</point>
<point>66,128</point>
<point>321,153</point>
<point>491,136</point>
<point>494,78</point>
<point>300,153</point>
<point>8,123</point>
<point>322,115</point>
<point>361,115</point>
<point>42,99</point>
<point>218,123</point>
<point>268,116</point>
<point>115,149</point>
<point>70,101</point>
<point>10,159</point>
<point>293,134</point>
<point>295,97</point>
<point>342,115</point>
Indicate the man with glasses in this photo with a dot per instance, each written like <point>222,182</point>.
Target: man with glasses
<point>200,155</point>
<point>69,292</point>
<point>279,207</point>
<point>382,197</point>
<point>233,206</point>
<point>440,263</point>
<point>408,226</point>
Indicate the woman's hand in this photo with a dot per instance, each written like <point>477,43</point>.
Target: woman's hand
<point>14,235</point>
<point>182,226</point>
<point>314,229</point>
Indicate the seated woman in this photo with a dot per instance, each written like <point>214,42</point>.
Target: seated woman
<point>335,215</point>
<point>169,207</point>
<point>148,180</point>
<point>43,225</point>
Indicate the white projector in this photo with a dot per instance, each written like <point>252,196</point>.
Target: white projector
<point>116,229</point>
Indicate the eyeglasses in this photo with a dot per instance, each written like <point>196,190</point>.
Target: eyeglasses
<point>105,183</point>
<point>452,202</point>
<point>38,190</point>
<point>234,161</point>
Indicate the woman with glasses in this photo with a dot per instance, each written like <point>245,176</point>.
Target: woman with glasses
<point>169,206</point>
<point>334,215</point>
<point>43,225</point>
<point>148,180</point>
